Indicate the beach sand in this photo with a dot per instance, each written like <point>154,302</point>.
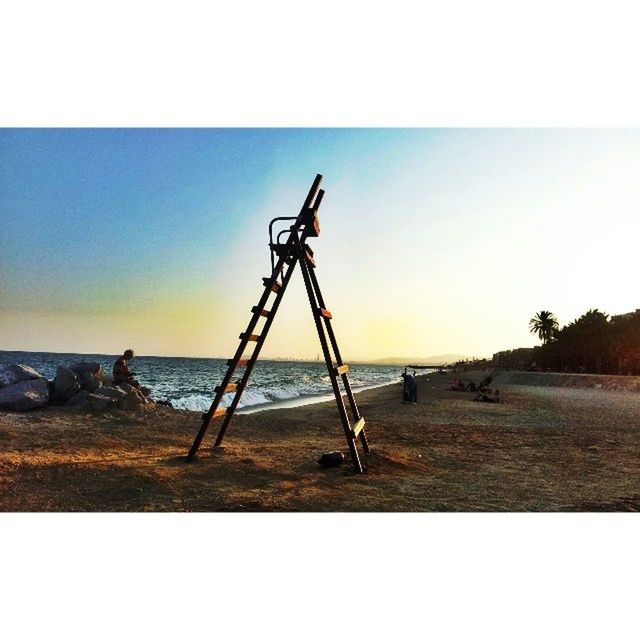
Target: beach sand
<point>545,449</point>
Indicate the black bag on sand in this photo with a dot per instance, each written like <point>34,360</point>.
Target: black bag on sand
<point>331,459</point>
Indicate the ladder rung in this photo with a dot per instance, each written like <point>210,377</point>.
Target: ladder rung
<point>263,312</point>
<point>240,363</point>
<point>342,369</point>
<point>250,337</point>
<point>325,313</point>
<point>228,389</point>
<point>218,413</point>
<point>358,427</point>
<point>274,286</point>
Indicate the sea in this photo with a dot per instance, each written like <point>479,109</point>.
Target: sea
<point>188,383</point>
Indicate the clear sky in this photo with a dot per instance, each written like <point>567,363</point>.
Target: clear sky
<point>433,240</point>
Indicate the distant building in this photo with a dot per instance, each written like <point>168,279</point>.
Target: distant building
<point>514,358</point>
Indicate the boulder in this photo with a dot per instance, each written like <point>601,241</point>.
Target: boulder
<point>132,401</point>
<point>134,397</point>
<point>12,373</point>
<point>65,384</point>
<point>90,374</point>
<point>113,393</point>
<point>25,395</point>
<point>100,403</point>
<point>93,368</point>
<point>78,400</point>
<point>89,381</point>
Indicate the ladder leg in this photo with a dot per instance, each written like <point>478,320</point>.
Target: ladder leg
<point>313,301</point>
<point>196,443</point>
<point>336,350</point>
<point>206,421</point>
<point>256,353</point>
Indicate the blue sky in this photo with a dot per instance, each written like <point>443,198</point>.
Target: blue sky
<point>157,236</point>
<point>82,201</point>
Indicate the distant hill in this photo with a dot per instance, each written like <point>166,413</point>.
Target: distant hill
<point>445,358</point>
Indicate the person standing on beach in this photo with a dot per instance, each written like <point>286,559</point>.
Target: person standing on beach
<point>410,390</point>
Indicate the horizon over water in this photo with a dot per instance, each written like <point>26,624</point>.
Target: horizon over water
<point>189,382</point>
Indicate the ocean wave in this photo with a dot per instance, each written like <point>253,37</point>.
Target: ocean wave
<point>192,402</point>
<point>285,393</point>
<point>250,398</point>
<point>258,396</point>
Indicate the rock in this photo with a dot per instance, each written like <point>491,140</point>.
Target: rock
<point>100,403</point>
<point>78,400</point>
<point>114,393</point>
<point>12,373</point>
<point>90,374</point>
<point>89,381</point>
<point>132,402</point>
<point>331,459</point>
<point>133,397</point>
<point>25,395</point>
<point>93,368</point>
<point>65,384</point>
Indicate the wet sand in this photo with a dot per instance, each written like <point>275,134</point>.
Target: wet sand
<point>544,449</point>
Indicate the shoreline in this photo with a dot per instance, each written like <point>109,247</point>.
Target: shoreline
<point>311,399</point>
<point>302,401</point>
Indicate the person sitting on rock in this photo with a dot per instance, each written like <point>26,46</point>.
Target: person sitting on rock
<point>121,371</point>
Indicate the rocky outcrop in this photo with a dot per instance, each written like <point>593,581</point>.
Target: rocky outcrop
<point>92,368</point>
<point>109,397</point>
<point>81,385</point>
<point>25,395</point>
<point>78,400</point>
<point>100,403</point>
<point>65,384</point>
<point>89,381</point>
<point>69,381</point>
<point>90,374</point>
<point>13,373</point>
<point>114,393</point>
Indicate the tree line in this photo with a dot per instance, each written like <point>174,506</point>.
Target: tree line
<point>592,343</point>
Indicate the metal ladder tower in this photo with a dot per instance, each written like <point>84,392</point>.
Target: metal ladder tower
<point>285,255</point>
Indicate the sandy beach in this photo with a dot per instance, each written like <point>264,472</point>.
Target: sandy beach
<point>547,448</point>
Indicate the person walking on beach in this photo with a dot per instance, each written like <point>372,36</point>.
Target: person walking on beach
<point>410,390</point>
<point>121,371</point>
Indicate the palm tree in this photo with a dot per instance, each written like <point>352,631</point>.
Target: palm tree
<point>544,324</point>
